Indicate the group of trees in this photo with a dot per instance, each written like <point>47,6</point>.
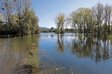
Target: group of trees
<point>18,18</point>
<point>96,20</point>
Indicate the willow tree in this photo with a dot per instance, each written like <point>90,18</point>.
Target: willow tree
<point>22,8</point>
<point>107,17</point>
<point>76,18</point>
<point>60,20</point>
<point>7,11</point>
<point>83,19</point>
<point>20,18</point>
<point>33,26</point>
<point>98,11</point>
<point>89,20</point>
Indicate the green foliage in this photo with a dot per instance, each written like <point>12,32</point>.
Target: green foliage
<point>19,18</point>
<point>60,20</point>
<point>95,20</point>
<point>83,18</point>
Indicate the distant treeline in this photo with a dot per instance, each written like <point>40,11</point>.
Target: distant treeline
<point>96,20</point>
<point>17,18</point>
<point>48,30</point>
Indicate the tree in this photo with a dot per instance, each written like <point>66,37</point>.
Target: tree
<point>22,8</point>
<point>60,20</point>
<point>107,17</point>
<point>7,10</point>
<point>20,18</point>
<point>33,22</point>
<point>76,19</point>
<point>89,20</point>
<point>98,13</point>
<point>83,19</point>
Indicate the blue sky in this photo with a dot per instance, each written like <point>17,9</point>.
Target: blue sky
<point>48,9</point>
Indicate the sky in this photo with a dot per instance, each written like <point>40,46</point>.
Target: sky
<point>47,10</point>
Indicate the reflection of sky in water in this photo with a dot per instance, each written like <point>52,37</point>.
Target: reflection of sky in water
<point>70,60</point>
<point>68,54</point>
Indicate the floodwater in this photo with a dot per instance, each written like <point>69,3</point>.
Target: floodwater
<point>49,53</point>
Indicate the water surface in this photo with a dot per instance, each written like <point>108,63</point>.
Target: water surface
<point>73,54</point>
<point>56,54</point>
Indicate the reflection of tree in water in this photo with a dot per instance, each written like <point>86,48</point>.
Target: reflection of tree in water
<point>106,51</point>
<point>60,43</point>
<point>93,48</point>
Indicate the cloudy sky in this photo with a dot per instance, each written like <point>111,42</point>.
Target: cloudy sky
<point>48,9</point>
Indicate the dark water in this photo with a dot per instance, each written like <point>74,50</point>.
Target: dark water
<point>52,54</point>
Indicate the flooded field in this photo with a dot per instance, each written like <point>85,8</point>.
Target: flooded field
<point>49,53</point>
